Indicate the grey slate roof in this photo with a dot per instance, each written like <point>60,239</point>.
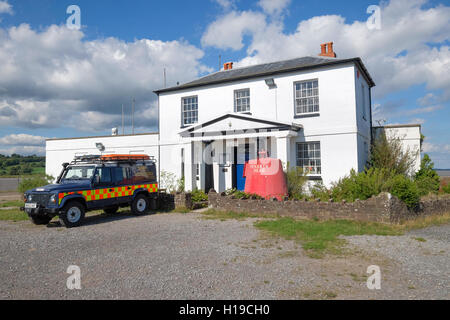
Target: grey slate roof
<point>268,69</point>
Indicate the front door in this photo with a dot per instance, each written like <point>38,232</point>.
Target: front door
<point>103,191</point>
<point>242,158</point>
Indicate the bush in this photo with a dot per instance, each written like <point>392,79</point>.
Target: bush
<point>168,181</point>
<point>319,191</point>
<point>389,153</point>
<point>296,180</point>
<point>426,178</point>
<point>34,182</point>
<point>446,189</point>
<point>199,196</point>
<point>405,189</point>
<point>361,185</point>
<point>241,194</point>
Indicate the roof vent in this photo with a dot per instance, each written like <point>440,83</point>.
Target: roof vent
<point>228,66</point>
<point>327,53</point>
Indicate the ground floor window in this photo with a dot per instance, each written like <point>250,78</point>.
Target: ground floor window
<point>308,157</point>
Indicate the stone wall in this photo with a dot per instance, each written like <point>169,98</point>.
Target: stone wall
<point>183,200</point>
<point>383,208</point>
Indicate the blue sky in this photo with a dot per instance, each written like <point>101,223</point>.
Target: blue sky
<point>63,83</point>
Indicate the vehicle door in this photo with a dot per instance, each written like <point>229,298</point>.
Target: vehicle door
<point>123,184</point>
<point>103,193</point>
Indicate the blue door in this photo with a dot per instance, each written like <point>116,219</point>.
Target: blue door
<point>242,159</point>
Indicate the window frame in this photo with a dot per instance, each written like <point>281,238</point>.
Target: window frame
<point>316,173</point>
<point>306,114</point>
<point>183,124</point>
<point>235,100</point>
<point>363,101</point>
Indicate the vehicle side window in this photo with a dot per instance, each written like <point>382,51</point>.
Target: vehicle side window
<point>144,173</point>
<point>121,174</point>
<point>105,176</point>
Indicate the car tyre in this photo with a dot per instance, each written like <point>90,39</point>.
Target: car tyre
<point>41,220</point>
<point>72,214</point>
<point>140,205</point>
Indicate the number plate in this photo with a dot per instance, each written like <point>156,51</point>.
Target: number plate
<point>30,205</point>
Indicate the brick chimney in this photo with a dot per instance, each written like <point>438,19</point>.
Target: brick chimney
<point>228,66</point>
<point>327,53</point>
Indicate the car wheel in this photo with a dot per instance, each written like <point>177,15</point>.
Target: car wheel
<point>40,220</point>
<point>140,205</point>
<point>111,210</point>
<point>72,214</point>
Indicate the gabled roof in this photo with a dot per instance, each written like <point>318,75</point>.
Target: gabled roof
<point>269,69</point>
<point>245,122</point>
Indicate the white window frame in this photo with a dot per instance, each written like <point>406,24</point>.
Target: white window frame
<point>312,162</point>
<point>192,114</point>
<point>306,94</point>
<point>245,98</point>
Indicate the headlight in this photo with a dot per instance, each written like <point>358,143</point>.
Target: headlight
<point>29,198</point>
<point>52,199</point>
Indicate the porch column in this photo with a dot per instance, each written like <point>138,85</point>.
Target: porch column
<point>189,167</point>
<point>284,150</point>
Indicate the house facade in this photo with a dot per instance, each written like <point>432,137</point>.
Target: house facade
<point>311,112</point>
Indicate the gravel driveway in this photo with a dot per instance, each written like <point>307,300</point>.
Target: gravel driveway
<point>183,256</point>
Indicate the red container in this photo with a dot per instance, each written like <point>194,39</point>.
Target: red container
<point>265,177</point>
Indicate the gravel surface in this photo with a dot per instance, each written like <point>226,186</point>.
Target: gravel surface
<point>183,256</point>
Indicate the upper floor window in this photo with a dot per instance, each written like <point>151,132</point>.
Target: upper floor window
<point>189,110</point>
<point>306,97</point>
<point>242,100</point>
<point>309,157</point>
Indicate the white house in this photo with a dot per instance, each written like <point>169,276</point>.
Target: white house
<point>312,112</point>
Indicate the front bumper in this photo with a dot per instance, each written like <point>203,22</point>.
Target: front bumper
<point>40,210</point>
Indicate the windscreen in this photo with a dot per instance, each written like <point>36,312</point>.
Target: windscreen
<point>78,173</point>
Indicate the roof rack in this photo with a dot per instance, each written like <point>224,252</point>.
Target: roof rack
<point>113,157</point>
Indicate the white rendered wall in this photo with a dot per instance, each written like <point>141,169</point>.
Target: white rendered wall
<point>64,150</point>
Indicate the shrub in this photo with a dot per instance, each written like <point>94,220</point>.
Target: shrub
<point>296,180</point>
<point>319,191</point>
<point>389,153</point>
<point>180,185</point>
<point>405,189</point>
<point>426,178</point>
<point>168,181</point>
<point>446,188</point>
<point>361,185</point>
<point>34,182</point>
<point>199,196</point>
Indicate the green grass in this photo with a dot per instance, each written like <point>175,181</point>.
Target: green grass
<point>229,215</point>
<point>318,238</point>
<point>13,215</point>
<point>8,204</point>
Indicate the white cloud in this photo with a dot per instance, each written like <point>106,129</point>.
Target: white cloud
<point>5,7</point>
<point>54,78</point>
<point>228,31</point>
<point>22,140</point>
<point>225,4</point>
<point>397,56</point>
<point>274,7</point>
<point>23,150</point>
<point>439,148</point>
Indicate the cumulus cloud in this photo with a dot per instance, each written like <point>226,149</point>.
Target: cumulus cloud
<point>410,49</point>
<point>228,31</point>
<point>22,140</point>
<point>274,7</point>
<point>53,77</point>
<point>5,7</point>
<point>23,150</point>
<point>225,4</point>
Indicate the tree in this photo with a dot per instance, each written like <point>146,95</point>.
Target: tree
<point>427,178</point>
<point>389,154</point>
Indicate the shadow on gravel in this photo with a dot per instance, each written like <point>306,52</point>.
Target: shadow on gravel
<point>104,218</point>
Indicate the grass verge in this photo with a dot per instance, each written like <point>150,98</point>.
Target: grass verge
<point>212,214</point>
<point>13,215</point>
<point>8,204</point>
<point>318,238</point>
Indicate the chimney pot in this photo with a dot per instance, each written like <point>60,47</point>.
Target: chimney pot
<point>327,53</point>
<point>228,66</point>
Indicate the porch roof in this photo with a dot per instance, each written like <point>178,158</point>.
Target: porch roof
<point>232,124</point>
